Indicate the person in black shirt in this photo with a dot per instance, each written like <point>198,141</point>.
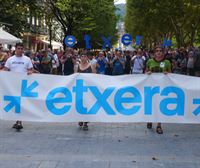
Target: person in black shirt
<point>84,67</point>
<point>68,61</point>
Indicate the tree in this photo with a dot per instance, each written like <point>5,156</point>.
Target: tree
<point>15,14</point>
<point>156,20</point>
<point>80,17</point>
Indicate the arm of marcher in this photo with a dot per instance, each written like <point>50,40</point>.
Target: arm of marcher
<point>30,71</point>
<point>94,68</point>
<point>6,69</point>
<point>76,68</point>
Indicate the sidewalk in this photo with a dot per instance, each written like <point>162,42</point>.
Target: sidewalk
<point>64,145</point>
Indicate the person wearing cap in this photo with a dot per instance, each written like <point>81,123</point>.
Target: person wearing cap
<point>156,65</point>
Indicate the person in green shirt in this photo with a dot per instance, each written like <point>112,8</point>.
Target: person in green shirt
<point>155,65</point>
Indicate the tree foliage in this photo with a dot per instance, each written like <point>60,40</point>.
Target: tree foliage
<point>155,20</point>
<point>76,17</point>
<point>14,14</point>
<point>80,17</point>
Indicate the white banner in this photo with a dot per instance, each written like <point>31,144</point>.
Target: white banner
<point>99,98</point>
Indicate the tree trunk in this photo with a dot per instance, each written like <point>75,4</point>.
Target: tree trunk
<point>179,38</point>
<point>50,36</point>
<point>192,38</point>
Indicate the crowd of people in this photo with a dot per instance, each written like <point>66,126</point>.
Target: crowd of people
<point>184,61</point>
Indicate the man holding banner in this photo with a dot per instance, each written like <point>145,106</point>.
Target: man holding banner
<point>158,64</point>
<point>21,64</point>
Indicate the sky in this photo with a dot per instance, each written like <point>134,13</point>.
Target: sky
<point>120,1</point>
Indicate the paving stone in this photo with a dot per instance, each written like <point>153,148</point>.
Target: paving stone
<point>105,145</point>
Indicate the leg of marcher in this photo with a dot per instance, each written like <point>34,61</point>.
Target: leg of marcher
<point>159,129</point>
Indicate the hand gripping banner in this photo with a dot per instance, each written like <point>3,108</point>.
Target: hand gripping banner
<point>158,97</point>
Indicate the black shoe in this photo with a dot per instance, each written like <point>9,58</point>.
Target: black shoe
<point>18,126</point>
<point>149,125</point>
<point>159,130</point>
<point>85,127</point>
<point>15,125</point>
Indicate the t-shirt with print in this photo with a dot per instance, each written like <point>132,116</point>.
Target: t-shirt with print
<point>155,66</point>
<point>19,64</point>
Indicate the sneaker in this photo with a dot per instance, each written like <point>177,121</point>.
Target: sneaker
<point>15,125</point>
<point>149,125</point>
<point>18,125</point>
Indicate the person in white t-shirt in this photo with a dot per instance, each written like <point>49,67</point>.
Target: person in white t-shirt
<point>21,64</point>
<point>138,62</point>
<point>55,62</point>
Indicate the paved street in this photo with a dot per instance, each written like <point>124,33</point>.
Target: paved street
<point>63,145</point>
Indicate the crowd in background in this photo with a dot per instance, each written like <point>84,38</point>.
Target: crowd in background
<point>183,60</point>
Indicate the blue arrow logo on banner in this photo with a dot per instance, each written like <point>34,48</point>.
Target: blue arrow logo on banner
<point>26,91</point>
<point>197,110</point>
<point>14,102</point>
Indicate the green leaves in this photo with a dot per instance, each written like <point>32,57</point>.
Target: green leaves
<point>63,5</point>
<point>158,19</point>
<point>15,13</point>
<point>80,17</point>
<point>75,17</point>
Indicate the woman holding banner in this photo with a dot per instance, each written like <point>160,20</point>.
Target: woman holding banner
<point>156,65</point>
<point>84,67</point>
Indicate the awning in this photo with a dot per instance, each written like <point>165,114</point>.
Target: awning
<point>7,38</point>
<point>55,44</point>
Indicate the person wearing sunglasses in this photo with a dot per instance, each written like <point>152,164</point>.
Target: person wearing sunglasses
<point>158,64</point>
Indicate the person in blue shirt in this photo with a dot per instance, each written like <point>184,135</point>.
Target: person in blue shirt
<point>101,63</point>
<point>118,64</point>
